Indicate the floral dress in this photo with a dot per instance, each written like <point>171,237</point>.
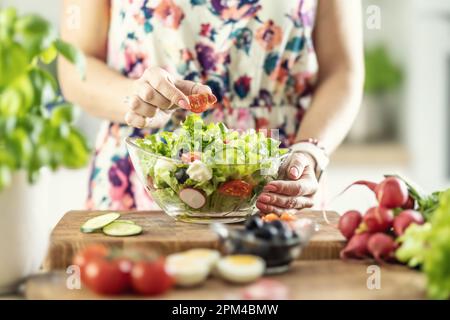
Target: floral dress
<point>256,55</point>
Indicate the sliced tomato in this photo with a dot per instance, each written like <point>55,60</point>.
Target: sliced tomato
<point>191,156</point>
<point>236,188</point>
<point>200,102</point>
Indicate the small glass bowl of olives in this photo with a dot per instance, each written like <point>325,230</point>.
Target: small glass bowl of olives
<point>276,242</point>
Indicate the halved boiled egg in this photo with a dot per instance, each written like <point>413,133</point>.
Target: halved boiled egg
<point>209,256</point>
<point>187,271</point>
<point>241,268</point>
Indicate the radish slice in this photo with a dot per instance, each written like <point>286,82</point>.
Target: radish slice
<point>192,197</point>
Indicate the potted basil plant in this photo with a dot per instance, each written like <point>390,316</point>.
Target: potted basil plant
<point>36,133</point>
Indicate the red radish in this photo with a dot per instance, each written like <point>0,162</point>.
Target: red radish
<point>369,184</point>
<point>404,219</point>
<point>392,193</point>
<point>381,246</point>
<point>410,203</point>
<point>349,222</point>
<point>356,247</point>
<point>192,197</point>
<point>377,219</point>
<point>191,156</point>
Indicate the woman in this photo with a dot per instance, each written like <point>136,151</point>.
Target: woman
<point>292,65</point>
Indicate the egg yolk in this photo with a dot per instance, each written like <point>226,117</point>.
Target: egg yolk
<point>242,260</point>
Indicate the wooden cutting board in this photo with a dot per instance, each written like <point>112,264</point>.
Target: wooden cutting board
<point>324,279</point>
<point>165,235</point>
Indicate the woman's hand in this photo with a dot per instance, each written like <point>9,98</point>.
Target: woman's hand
<point>157,90</point>
<point>293,193</point>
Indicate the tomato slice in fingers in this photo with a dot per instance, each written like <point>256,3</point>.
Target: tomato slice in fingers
<point>200,102</point>
<point>236,188</point>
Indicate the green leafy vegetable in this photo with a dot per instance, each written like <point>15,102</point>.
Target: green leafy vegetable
<point>426,204</point>
<point>227,155</point>
<point>428,246</point>
<point>36,126</point>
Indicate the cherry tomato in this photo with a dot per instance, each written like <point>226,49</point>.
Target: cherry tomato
<point>200,102</point>
<point>191,156</point>
<point>150,277</point>
<point>236,188</point>
<point>104,276</point>
<point>288,217</point>
<point>270,217</point>
<point>91,252</point>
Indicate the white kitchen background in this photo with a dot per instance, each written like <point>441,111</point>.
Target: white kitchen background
<point>415,34</point>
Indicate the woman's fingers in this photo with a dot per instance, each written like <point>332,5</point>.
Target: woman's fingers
<point>160,80</point>
<point>157,91</point>
<point>141,107</point>
<point>285,202</point>
<point>158,120</point>
<point>302,187</point>
<point>302,202</point>
<point>191,87</point>
<point>149,95</point>
<point>135,120</point>
<point>296,166</point>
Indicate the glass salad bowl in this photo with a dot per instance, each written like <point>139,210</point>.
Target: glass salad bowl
<point>224,193</point>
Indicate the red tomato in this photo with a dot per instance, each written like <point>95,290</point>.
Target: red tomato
<point>150,277</point>
<point>288,217</point>
<point>191,156</point>
<point>236,188</point>
<point>200,102</point>
<point>270,217</point>
<point>109,277</point>
<point>91,252</point>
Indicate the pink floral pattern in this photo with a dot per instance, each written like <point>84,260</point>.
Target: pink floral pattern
<point>169,13</point>
<point>269,35</point>
<point>256,55</point>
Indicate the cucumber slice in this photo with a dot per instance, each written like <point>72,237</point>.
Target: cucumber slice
<point>120,229</point>
<point>99,222</point>
<point>125,221</point>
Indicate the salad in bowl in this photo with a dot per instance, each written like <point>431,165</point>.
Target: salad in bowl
<point>206,173</point>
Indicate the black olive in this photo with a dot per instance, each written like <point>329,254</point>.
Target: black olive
<point>284,231</point>
<point>286,234</point>
<point>181,151</point>
<point>280,225</point>
<point>181,175</point>
<point>267,232</point>
<point>253,223</point>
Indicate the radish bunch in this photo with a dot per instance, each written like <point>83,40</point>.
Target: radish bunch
<point>373,234</point>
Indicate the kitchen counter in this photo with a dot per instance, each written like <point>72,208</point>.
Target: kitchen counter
<point>324,279</point>
<point>319,274</point>
<point>165,235</point>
